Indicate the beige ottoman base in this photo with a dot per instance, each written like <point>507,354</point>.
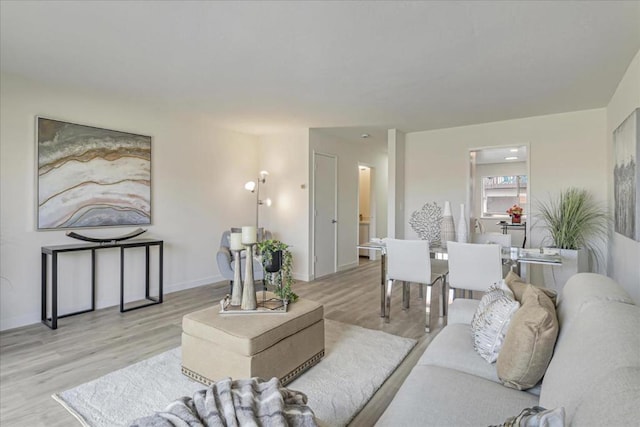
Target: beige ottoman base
<point>207,362</point>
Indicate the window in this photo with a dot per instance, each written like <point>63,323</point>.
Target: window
<point>499,193</point>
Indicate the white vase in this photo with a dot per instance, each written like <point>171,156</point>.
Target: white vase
<point>462,234</point>
<point>447,228</point>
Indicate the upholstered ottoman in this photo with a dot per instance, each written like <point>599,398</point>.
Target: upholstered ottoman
<point>282,345</point>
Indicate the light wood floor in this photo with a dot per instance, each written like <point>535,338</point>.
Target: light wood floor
<point>36,362</point>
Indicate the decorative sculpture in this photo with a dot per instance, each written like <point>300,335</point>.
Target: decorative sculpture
<point>236,293</point>
<point>426,223</point>
<point>106,241</point>
<point>249,301</point>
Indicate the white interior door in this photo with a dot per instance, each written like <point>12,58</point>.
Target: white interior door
<point>325,224</point>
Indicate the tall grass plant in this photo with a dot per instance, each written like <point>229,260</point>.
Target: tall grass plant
<point>575,220</point>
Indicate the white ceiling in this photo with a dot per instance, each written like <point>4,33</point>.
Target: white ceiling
<point>262,67</point>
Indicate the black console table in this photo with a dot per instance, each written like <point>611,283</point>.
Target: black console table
<point>93,247</point>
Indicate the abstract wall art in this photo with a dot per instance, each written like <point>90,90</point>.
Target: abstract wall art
<point>626,176</point>
<point>91,177</point>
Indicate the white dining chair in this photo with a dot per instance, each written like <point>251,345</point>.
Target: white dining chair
<point>504,240</point>
<point>409,261</point>
<point>472,267</point>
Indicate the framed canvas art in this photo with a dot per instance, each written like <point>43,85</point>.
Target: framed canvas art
<point>626,176</point>
<point>91,177</point>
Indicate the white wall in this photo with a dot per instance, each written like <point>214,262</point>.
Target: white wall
<point>624,253</point>
<point>285,157</point>
<point>198,173</point>
<point>396,209</point>
<point>350,155</point>
<point>565,150</point>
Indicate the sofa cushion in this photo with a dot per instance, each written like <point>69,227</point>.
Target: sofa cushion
<point>613,402</point>
<point>453,348</point>
<point>528,344</point>
<point>491,321</point>
<point>518,286</point>
<point>436,396</point>
<point>602,338</point>
<point>583,289</point>
<point>461,310</point>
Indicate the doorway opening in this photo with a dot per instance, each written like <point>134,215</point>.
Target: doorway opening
<point>498,180</point>
<point>366,207</point>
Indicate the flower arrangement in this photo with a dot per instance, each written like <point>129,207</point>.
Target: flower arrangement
<point>515,210</point>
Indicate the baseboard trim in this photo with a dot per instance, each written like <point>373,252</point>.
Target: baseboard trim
<point>34,317</point>
<point>175,287</point>
<point>19,321</point>
<point>302,277</point>
<point>348,266</point>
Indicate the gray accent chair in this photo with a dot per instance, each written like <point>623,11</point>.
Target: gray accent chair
<point>225,257</point>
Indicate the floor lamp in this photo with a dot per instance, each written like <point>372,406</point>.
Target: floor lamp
<point>254,187</point>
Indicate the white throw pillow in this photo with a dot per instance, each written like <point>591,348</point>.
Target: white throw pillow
<point>493,293</point>
<point>491,320</point>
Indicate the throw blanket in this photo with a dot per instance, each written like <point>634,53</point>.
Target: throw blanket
<point>228,403</point>
<point>536,417</point>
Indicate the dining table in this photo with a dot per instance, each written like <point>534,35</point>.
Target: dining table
<point>518,258</point>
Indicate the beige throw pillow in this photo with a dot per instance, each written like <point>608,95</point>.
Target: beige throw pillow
<point>518,286</point>
<point>529,342</point>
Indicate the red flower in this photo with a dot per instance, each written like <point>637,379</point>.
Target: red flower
<point>515,210</point>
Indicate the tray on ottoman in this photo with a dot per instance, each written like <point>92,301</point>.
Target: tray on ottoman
<point>216,346</point>
<point>267,303</point>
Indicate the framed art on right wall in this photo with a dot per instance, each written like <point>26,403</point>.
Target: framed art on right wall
<point>626,176</point>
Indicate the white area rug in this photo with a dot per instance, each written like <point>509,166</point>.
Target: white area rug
<point>357,361</point>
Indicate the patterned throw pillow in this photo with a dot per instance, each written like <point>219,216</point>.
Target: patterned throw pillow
<point>491,320</point>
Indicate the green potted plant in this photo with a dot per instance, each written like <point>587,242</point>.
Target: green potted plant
<point>576,224</point>
<point>277,261</point>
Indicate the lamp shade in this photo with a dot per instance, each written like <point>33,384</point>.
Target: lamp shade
<point>250,186</point>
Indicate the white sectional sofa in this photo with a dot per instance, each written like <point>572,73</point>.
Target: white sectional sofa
<point>594,373</point>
